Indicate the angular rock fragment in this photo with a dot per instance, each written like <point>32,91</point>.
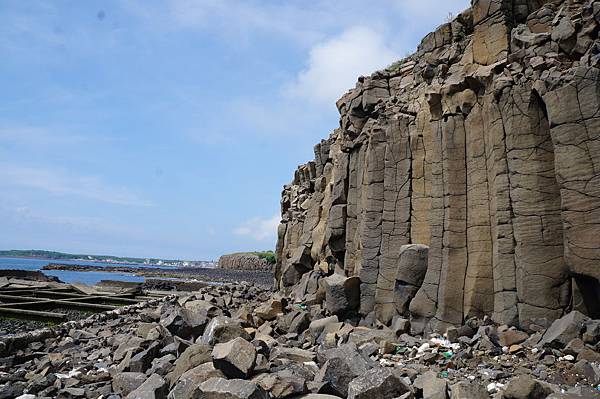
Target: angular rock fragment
<point>187,385</point>
<point>155,387</point>
<point>342,294</point>
<point>565,329</point>
<point>223,329</point>
<point>220,388</point>
<point>236,358</point>
<point>377,383</point>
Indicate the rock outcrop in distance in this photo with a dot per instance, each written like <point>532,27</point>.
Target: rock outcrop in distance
<point>481,152</point>
<point>244,261</point>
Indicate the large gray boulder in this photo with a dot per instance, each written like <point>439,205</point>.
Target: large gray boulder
<point>468,390</point>
<point>377,383</point>
<point>525,387</point>
<point>339,367</point>
<point>220,388</point>
<point>155,387</point>
<point>126,382</point>
<point>223,329</point>
<point>193,356</point>
<point>236,358</point>
<point>187,385</point>
<point>430,386</point>
<point>565,329</point>
<point>412,266</point>
<point>342,294</point>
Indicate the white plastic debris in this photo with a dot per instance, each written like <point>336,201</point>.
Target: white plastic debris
<point>567,358</point>
<point>442,342</point>
<point>70,374</point>
<point>423,347</point>
<point>494,387</point>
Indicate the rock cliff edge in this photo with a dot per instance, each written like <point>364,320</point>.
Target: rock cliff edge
<point>463,180</point>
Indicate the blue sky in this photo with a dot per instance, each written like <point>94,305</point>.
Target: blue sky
<point>168,128</point>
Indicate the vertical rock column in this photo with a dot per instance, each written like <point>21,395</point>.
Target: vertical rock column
<point>396,209</point>
<point>574,115</point>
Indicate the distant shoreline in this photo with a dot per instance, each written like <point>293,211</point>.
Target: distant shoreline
<point>69,260</point>
<point>264,278</point>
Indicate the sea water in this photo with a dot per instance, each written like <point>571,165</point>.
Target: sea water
<point>67,276</point>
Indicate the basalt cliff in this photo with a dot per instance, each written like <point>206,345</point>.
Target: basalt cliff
<point>464,180</point>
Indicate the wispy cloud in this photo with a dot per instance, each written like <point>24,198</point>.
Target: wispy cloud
<point>259,229</point>
<point>334,64</point>
<point>24,214</point>
<point>37,136</point>
<point>59,182</point>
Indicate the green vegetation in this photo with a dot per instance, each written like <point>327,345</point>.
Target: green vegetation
<point>460,35</point>
<point>395,66</point>
<point>269,256</point>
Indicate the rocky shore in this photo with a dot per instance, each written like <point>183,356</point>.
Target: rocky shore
<point>212,275</point>
<point>244,341</point>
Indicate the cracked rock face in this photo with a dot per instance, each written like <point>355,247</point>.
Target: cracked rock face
<point>484,148</point>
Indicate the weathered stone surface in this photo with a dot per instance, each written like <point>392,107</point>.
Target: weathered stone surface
<point>124,383</point>
<point>187,385</point>
<point>155,387</point>
<point>525,387</point>
<point>482,146</point>
<point>377,383</point>
<point>236,358</point>
<point>430,386</point>
<point>220,388</point>
<point>466,390</point>
<point>565,329</point>
<point>342,294</point>
<point>223,329</point>
<point>243,261</point>
<point>193,356</point>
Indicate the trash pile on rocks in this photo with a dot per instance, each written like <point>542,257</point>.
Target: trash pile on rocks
<point>243,341</point>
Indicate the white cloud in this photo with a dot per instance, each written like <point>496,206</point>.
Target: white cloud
<point>259,229</point>
<point>334,64</point>
<point>24,214</point>
<point>62,183</point>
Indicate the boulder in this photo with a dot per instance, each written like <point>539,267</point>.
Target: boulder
<point>223,329</point>
<point>193,356</point>
<point>155,387</point>
<point>220,388</point>
<point>187,385</point>
<point>142,360</point>
<point>270,309</point>
<point>126,382</point>
<point>430,386</point>
<point>316,326</point>
<point>339,367</point>
<point>511,337</point>
<point>282,384</point>
<point>563,330</point>
<point>377,383</point>
<point>525,387</point>
<point>236,358</point>
<point>342,294</point>
<point>292,354</point>
<point>412,266</point>
<point>468,390</point>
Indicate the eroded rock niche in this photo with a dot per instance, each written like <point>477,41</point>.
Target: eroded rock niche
<point>482,152</point>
